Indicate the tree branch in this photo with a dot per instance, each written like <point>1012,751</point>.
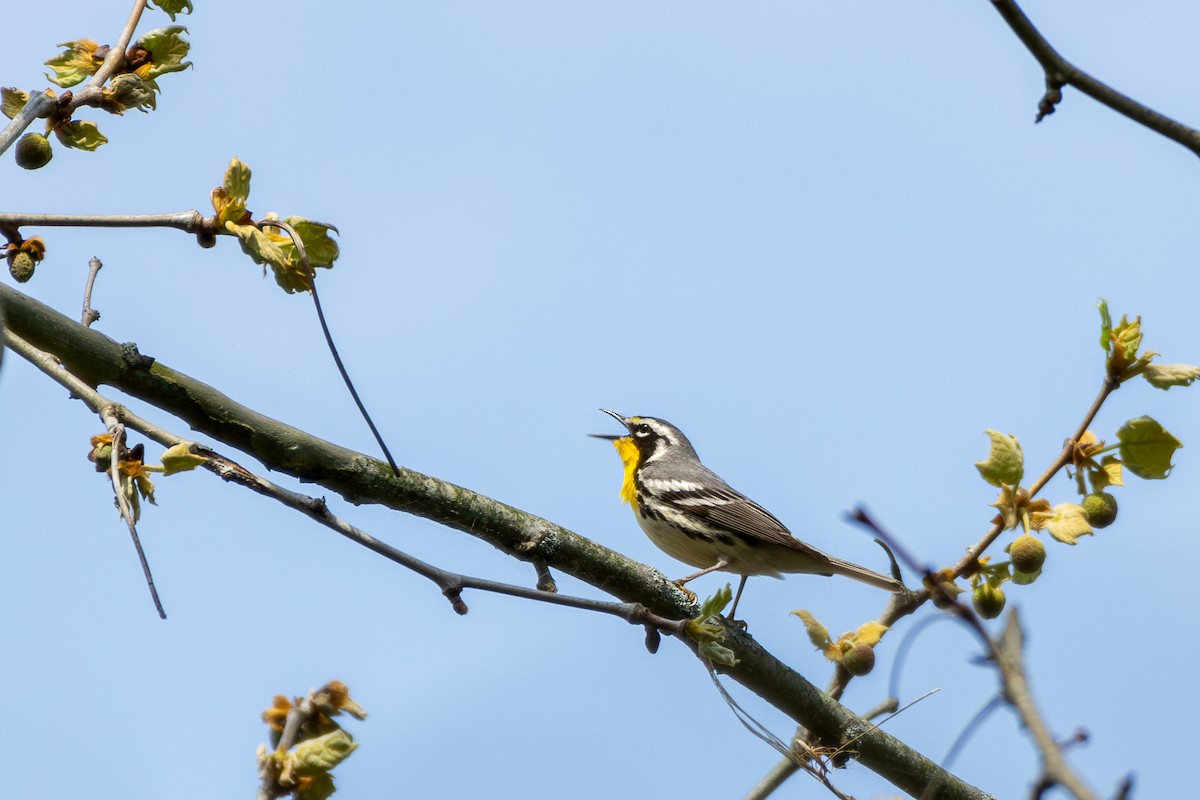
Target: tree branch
<point>360,479</point>
<point>1060,72</point>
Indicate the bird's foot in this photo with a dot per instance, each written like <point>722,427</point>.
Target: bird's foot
<point>691,595</point>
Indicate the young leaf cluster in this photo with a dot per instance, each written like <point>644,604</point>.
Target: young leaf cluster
<point>132,85</point>
<point>1144,448</point>
<point>135,473</point>
<point>271,245</point>
<point>303,768</point>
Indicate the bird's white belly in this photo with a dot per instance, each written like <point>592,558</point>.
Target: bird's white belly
<point>703,551</point>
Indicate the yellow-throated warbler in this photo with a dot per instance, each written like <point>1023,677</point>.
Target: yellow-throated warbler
<point>694,516</point>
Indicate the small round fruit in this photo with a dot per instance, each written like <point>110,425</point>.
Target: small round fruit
<point>33,151</point>
<point>1100,509</point>
<point>1027,554</point>
<point>206,239</point>
<point>988,601</point>
<point>20,266</point>
<point>859,660</point>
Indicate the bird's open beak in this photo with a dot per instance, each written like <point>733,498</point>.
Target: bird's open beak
<point>611,437</point>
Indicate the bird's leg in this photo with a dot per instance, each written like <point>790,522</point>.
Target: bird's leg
<point>721,564</point>
<point>736,597</point>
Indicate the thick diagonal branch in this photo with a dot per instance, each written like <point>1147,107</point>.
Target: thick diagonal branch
<point>360,479</point>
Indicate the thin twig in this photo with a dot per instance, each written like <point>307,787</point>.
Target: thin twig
<point>337,359</point>
<point>117,431</point>
<point>106,410</point>
<point>90,314</point>
<point>1060,72</point>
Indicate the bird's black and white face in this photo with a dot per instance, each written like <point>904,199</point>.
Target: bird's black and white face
<point>654,438</point>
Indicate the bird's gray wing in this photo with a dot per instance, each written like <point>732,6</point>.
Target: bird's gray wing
<point>722,506</point>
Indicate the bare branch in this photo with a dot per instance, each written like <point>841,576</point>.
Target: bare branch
<point>90,314</point>
<point>1007,654</point>
<point>189,221</point>
<point>1060,72</point>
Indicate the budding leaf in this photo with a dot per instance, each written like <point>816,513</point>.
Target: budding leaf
<point>318,246</point>
<point>1105,324</point>
<point>1147,447</point>
<point>1005,464</point>
<point>818,634</point>
<point>717,653</point>
<point>167,50</point>
<point>259,246</point>
<point>75,64</point>
<point>127,91</point>
<point>178,458</point>
<point>82,135</point>
<point>1109,474</point>
<point>12,101</point>
<point>323,753</point>
<point>229,199</point>
<point>1164,376</point>
<point>319,788</point>
<point>1067,523</point>
<point>715,604</point>
<point>173,7</point>
<point>321,249</point>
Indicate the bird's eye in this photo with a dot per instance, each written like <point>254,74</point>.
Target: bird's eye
<point>641,430</point>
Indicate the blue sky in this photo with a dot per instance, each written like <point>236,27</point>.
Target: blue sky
<point>826,240</point>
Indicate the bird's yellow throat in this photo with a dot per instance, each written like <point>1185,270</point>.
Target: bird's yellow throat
<point>628,452</point>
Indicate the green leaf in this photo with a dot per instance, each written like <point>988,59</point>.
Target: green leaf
<point>237,180</point>
<point>1109,474</point>
<point>323,753</point>
<point>167,50</point>
<point>229,199</point>
<point>322,250</point>
<point>1146,448</point>
<point>320,788</point>
<point>258,246</point>
<point>12,101</point>
<point>1025,578</point>
<point>127,91</point>
<point>1068,523</point>
<point>179,458</point>
<point>717,653</point>
<point>1164,376</point>
<point>1005,464</point>
<point>82,135</point>
<point>1105,324</point>
<point>173,7</point>
<point>714,605</point>
<point>818,634</point>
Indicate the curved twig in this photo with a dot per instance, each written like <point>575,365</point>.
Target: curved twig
<point>333,351</point>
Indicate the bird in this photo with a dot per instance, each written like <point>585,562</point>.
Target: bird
<point>691,514</point>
